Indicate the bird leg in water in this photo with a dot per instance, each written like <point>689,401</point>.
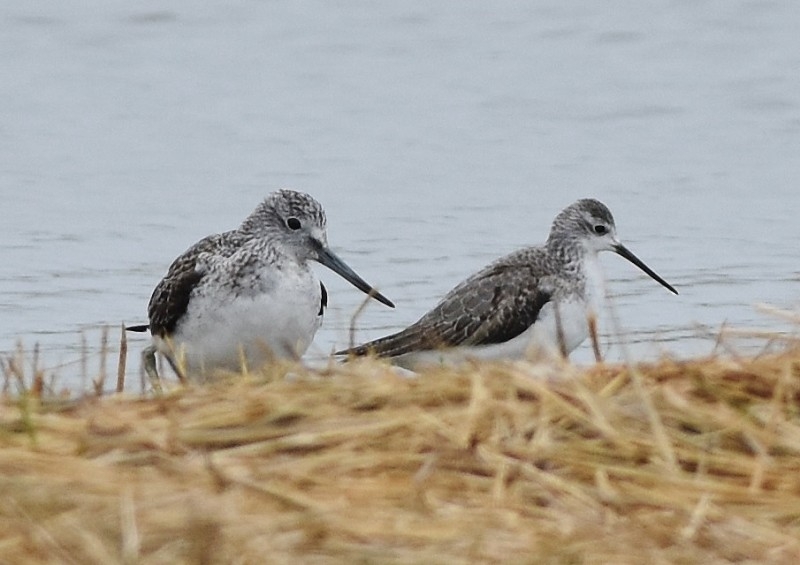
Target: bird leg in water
<point>177,363</point>
<point>562,340</point>
<point>149,364</point>
<point>177,360</point>
<point>591,318</point>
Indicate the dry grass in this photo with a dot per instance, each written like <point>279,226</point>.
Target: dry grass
<point>676,462</point>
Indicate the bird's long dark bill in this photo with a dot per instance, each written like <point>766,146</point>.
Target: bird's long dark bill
<point>330,260</point>
<point>624,252</point>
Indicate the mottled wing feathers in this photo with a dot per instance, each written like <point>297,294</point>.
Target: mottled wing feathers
<point>493,306</point>
<point>511,314</point>
<point>171,297</point>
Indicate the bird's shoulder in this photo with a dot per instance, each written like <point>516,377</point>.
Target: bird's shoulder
<point>513,277</point>
<point>170,299</point>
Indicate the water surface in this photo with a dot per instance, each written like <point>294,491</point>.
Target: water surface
<point>438,136</point>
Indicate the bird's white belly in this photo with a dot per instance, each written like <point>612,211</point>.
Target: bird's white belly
<point>230,331</point>
<point>559,329</point>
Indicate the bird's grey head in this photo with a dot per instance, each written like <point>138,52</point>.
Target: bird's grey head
<point>587,221</point>
<point>297,222</point>
<point>294,218</point>
<point>588,225</point>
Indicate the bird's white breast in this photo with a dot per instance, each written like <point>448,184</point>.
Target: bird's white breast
<point>273,315</point>
<point>595,283</point>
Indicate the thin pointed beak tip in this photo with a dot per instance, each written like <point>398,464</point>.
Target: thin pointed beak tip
<point>381,298</point>
<point>626,253</point>
<point>329,259</point>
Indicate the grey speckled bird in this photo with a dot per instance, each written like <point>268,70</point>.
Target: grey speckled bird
<point>243,297</point>
<point>537,301</point>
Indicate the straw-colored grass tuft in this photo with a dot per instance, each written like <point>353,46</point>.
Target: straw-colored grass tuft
<point>674,462</point>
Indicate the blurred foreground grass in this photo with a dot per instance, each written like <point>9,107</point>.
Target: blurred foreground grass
<point>671,462</point>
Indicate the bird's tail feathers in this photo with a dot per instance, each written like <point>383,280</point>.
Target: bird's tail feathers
<point>389,346</point>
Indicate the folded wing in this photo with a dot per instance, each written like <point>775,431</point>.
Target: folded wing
<point>493,306</point>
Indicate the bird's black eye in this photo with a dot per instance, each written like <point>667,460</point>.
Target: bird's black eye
<point>293,223</point>
<point>600,229</point>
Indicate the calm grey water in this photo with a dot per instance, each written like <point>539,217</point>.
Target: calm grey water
<point>438,135</point>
